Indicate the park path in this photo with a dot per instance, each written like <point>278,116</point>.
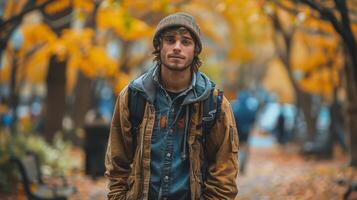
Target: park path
<point>276,172</point>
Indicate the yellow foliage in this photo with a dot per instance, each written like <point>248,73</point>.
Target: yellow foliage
<point>59,49</point>
<point>9,9</point>
<point>12,8</point>
<point>58,6</point>
<point>78,41</point>
<point>317,54</point>
<point>5,73</point>
<point>39,42</point>
<point>306,61</point>
<point>36,65</point>
<point>159,5</point>
<point>76,46</point>
<point>5,66</point>
<point>240,53</point>
<point>354,29</point>
<point>124,25</point>
<point>319,25</point>
<point>71,78</point>
<point>97,63</point>
<point>34,35</point>
<point>277,81</point>
<point>319,83</point>
<point>86,5</point>
<point>122,79</point>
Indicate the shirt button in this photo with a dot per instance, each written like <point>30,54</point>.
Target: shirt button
<point>166,177</point>
<point>168,154</point>
<point>172,110</point>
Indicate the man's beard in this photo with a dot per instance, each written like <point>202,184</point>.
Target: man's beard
<point>177,69</point>
<point>174,67</point>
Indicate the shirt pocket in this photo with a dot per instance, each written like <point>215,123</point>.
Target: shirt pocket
<point>233,136</point>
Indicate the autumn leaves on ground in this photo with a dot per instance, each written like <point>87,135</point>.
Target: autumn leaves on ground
<point>282,173</point>
<point>273,172</point>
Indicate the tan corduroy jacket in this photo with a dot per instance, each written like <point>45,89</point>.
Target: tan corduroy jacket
<point>128,169</point>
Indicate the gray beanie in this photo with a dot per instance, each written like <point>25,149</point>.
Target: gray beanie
<point>179,19</point>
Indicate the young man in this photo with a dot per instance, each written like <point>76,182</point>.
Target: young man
<point>166,158</point>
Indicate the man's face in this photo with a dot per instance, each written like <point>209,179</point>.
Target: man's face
<point>177,51</point>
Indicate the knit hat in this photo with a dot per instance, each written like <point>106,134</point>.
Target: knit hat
<point>179,19</point>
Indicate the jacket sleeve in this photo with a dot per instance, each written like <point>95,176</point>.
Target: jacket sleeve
<point>119,153</point>
<point>222,150</point>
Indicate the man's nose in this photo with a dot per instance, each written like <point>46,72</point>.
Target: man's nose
<point>177,46</point>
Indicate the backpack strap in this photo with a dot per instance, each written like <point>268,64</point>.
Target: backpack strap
<point>211,110</point>
<point>136,106</point>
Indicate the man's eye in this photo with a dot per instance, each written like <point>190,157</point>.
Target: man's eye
<point>186,42</point>
<point>169,40</point>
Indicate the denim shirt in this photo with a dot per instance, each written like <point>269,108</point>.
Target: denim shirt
<point>170,177</point>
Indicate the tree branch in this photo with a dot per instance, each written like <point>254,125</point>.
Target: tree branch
<point>325,13</point>
<point>349,38</point>
<point>23,13</point>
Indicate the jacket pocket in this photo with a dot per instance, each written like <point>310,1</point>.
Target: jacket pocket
<point>233,136</point>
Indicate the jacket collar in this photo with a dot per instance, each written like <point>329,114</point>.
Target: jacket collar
<point>147,84</point>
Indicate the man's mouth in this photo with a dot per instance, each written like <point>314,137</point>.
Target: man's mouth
<point>176,56</point>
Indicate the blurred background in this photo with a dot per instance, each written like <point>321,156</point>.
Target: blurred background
<point>289,68</point>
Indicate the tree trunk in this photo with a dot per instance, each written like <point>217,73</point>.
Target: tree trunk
<point>303,100</point>
<point>306,104</point>
<point>352,127</point>
<point>55,101</point>
<point>84,91</point>
<point>83,99</point>
<point>56,76</point>
<point>351,114</point>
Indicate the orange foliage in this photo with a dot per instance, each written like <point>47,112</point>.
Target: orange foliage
<point>97,63</point>
<point>57,6</point>
<point>85,49</point>
<point>318,83</point>
<point>36,65</point>
<point>316,50</point>
<point>122,23</point>
<point>86,5</point>
<point>122,80</point>
<point>318,55</point>
<point>12,8</point>
<point>277,81</point>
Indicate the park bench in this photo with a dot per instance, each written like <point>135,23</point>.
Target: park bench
<point>33,182</point>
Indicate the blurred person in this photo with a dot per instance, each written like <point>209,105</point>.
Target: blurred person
<point>280,128</point>
<point>244,109</point>
<point>172,154</point>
